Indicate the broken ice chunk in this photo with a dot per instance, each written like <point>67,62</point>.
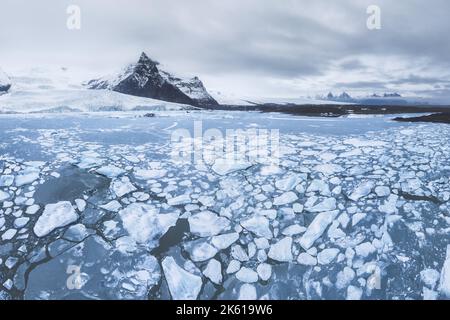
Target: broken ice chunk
<point>233,266</point>
<point>382,191</point>
<point>32,209</point>
<point>27,176</point>
<point>328,169</point>
<point>145,224</point>
<point>225,240</point>
<point>122,187</point>
<point>4,195</point>
<point>282,250</point>
<point>445,276</point>
<point>362,190</point>
<point>144,174</point>
<point>365,249</point>
<point>328,204</point>
<point>258,225</point>
<point>55,216</point>
<point>306,259</point>
<point>319,186</point>
<point>247,275</point>
<point>81,204</point>
<point>110,171</point>
<point>226,166</point>
<point>354,293</point>
<point>207,224</point>
<point>213,271</point>
<point>179,200</point>
<point>390,205</point>
<point>293,230</point>
<point>430,277</point>
<point>247,292</point>
<point>201,251</point>
<point>112,206</point>
<point>317,228</point>
<point>357,218</point>
<point>182,284</point>
<point>285,198</point>
<point>6,181</point>
<point>264,271</point>
<point>288,183</point>
<point>327,256</point>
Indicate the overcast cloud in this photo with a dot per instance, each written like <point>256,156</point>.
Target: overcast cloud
<point>245,47</point>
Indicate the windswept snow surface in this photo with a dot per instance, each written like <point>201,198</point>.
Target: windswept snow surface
<point>356,209</point>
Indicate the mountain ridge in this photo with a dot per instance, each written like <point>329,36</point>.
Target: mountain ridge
<point>146,79</point>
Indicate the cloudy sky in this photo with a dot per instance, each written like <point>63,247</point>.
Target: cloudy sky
<point>271,48</point>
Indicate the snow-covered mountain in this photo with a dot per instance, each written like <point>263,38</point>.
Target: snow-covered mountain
<point>61,90</point>
<point>5,82</point>
<point>145,79</point>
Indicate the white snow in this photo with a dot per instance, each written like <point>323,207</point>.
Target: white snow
<point>317,228</point>
<point>281,250</point>
<point>55,216</point>
<point>207,224</point>
<point>182,284</point>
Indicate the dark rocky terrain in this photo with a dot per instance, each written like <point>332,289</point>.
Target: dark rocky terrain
<point>145,79</point>
<point>443,117</point>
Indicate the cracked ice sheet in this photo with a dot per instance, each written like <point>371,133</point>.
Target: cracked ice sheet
<point>374,225</point>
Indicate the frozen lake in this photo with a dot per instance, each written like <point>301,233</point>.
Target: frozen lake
<point>93,206</point>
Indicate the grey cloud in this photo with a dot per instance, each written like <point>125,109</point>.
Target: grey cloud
<point>297,42</point>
